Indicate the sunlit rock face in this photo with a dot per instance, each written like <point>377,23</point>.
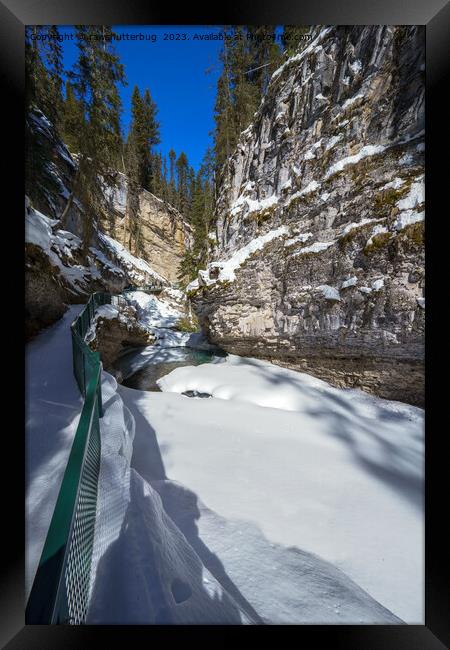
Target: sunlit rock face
<point>335,154</point>
<point>60,272</point>
<point>161,230</point>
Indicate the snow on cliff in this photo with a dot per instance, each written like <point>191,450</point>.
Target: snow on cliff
<point>63,249</point>
<point>135,266</point>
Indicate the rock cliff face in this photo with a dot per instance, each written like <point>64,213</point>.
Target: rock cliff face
<point>320,253</point>
<point>164,235</point>
<point>57,272</point>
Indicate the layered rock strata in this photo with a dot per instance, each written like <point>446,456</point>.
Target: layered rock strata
<point>320,235</point>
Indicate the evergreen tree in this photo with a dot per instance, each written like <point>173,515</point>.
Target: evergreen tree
<point>292,38</point>
<point>172,187</point>
<point>165,195</point>
<point>187,269</point>
<point>191,192</point>
<point>95,79</point>
<point>150,133</point>
<point>246,91</point>
<point>145,134</point>
<point>137,166</point>
<point>54,69</point>
<point>72,119</point>
<point>225,132</point>
<point>39,181</point>
<point>207,170</point>
<point>138,145</point>
<point>133,172</point>
<point>201,218</point>
<point>33,68</point>
<point>265,54</point>
<point>143,167</point>
<point>182,202</point>
<point>157,186</point>
<point>249,56</point>
<point>44,69</point>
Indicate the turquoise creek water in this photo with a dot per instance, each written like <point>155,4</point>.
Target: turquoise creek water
<point>143,373</point>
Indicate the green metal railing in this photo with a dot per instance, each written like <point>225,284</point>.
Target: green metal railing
<point>60,589</point>
<point>157,287</point>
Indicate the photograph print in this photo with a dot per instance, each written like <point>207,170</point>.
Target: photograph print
<point>225,312</point>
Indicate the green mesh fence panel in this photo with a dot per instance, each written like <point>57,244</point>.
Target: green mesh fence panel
<point>60,590</point>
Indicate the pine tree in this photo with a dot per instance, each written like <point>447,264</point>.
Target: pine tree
<point>187,269</point>
<point>134,174</point>
<point>165,194</point>
<point>182,203</point>
<point>137,144</point>
<point>54,68</point>
<point>72,119</point>
<point>172,187</point>
<point>265,55</point>
<point>137,166</point>
<point>143,166</point>
<point>201,218</point>
<point>95,79</point>
<point>246,93</point>
<point>151,132</point>
<point>39,181</point>
<point>44,69</point>
<point>191,191</point>
<point>207,171</point>
<point>157,184</point>
<point>225,132</point>
<point>249,56</point>
<point>291,38</point>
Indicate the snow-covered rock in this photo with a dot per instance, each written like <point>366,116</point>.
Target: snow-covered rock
<point>114,327</point>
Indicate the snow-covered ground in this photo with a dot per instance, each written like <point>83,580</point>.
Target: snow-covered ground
<point>144,569</point>
<point>279,499</point>
<point>335,472</point>
<point>57,246</point>
<point>63,247</point>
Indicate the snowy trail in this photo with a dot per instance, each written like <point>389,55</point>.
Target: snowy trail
<point>53,407</point>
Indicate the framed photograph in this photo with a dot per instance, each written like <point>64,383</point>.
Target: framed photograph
<point>230,415</point>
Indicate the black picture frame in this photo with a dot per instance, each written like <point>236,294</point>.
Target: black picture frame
<point>14,15</point>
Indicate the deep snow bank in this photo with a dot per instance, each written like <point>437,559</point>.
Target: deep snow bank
<point>143,570</point>
<point>333,472</point>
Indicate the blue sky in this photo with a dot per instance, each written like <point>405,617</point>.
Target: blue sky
<point>175,73</point>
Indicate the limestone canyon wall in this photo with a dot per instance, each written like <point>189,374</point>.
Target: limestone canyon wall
<point>320,235</point>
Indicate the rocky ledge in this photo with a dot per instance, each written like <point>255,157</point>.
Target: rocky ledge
<point>114,328</point>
